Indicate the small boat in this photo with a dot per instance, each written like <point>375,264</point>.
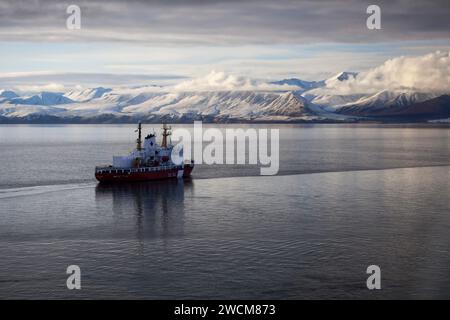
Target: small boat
<point>149,161</point>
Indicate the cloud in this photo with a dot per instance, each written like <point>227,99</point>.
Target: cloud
<point>223,22</point>
<point>42,79</point>
<point>49,87</point>
<point>220,81</point>
<point>426,73</point>
<point>258,38</point>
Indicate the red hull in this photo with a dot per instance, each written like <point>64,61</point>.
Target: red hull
<point>142,174</point>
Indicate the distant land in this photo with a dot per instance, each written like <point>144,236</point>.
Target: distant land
<point>285,101</point>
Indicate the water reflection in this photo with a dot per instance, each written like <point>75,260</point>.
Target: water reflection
<point>151,209</point>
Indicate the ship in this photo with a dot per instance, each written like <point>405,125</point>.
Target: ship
<point>148,161</point>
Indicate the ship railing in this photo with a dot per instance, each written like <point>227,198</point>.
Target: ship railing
<point>110,169</point>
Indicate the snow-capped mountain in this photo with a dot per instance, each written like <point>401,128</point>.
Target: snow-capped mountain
<point>435,108</point>
<point>301,84</point>
<point>87,94</point>
<point>331,102</point>
<point>313,101</point>
<point>342,76</point>
<point>42,99</point>
<point>382,101</point>
<point>230,103</point>
<point>325,97</point>
<point>23,111</point>
<point>7,94</point>
<point>218,105</point>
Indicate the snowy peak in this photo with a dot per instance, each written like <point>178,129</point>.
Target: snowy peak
<point>384,100</point>
<point>311,101</point>
<point>227,104</point>
<point>87,94</point>
<point>343,76</point>
<point>387,98</point>
<point>302,84</point>
<point>43,99</point>
<point>7,94</point>
<point>333,101</point>
<point>340,77</point>
<point>287,104</point>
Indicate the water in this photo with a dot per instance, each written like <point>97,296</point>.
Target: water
<point>347,197</point>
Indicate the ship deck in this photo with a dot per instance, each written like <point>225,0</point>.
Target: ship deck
<point>111,169</point>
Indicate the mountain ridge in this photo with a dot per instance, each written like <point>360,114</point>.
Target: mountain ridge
<point>312,102</point>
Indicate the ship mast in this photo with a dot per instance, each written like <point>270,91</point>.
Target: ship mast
<point>139,139</point>
<point>165,134</point>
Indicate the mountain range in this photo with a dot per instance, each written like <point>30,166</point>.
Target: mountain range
<point>290,100</point>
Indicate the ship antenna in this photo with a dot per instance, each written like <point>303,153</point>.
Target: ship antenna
<point>166,133</point>
<point>139,139</point>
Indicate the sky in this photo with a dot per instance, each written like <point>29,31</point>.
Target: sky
<point>159,42</point>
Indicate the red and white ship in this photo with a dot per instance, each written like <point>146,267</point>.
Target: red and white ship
<point>149,161</point>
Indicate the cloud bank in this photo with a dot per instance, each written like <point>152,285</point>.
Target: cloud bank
<point>427,73</point>
<point>49,87</point>
<point>222,22</point>
<point>220,81</point>
<point>38,81</point>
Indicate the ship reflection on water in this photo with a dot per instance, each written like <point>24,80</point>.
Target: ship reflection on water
<point>152,209</point>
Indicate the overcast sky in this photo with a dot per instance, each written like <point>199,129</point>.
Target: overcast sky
<point>159,41</point>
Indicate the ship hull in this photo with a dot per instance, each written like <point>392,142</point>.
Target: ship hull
<point>111,174</point>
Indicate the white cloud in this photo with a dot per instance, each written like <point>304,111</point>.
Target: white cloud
<point>221,22</point>
<point>427,73</point>
<point>50,87</point>
<point>220,81</point>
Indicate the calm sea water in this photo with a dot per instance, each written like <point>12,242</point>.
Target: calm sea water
<point>347,197</point>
